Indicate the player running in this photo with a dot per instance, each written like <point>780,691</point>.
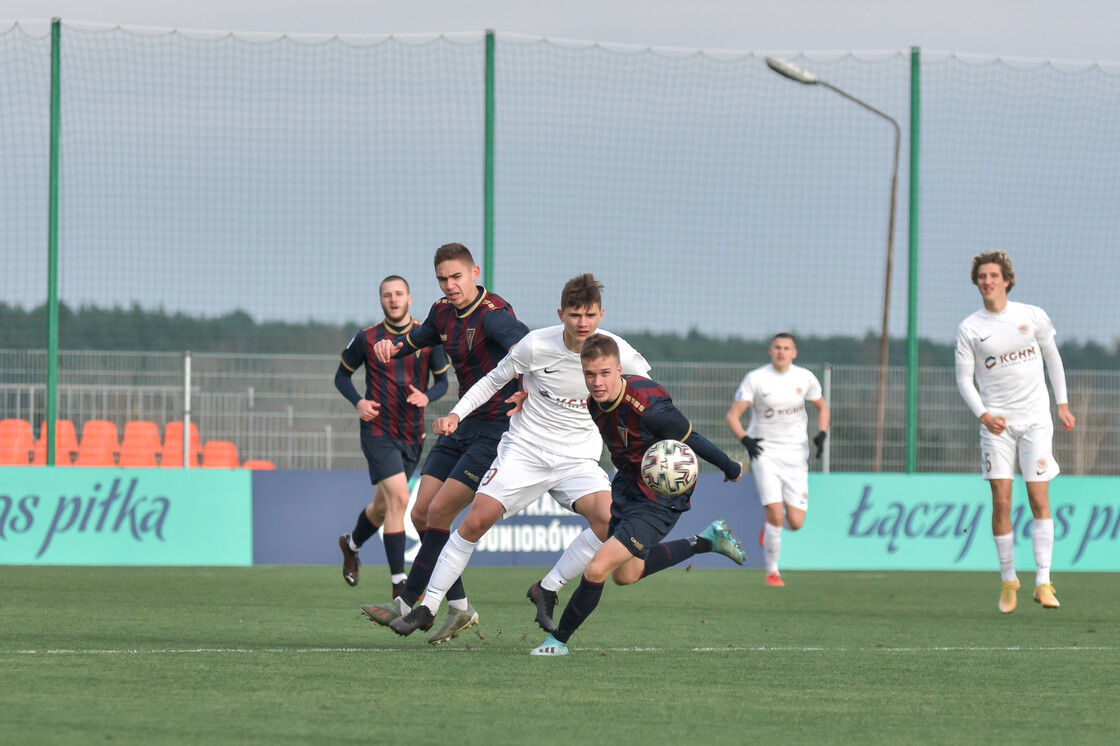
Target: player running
<point>551,446</point>
<point>391,418</point>
<point>476,328</point>
<point>776,394</point>
<point>1011,342</point>
<point>632,413</point>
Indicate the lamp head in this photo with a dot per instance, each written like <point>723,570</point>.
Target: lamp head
<point>793,72</point>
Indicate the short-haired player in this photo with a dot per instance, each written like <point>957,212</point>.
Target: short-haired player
<point>477,329</point>
<point>776,395</point>
<point>1002,350</point>
<point>391,425</point>
<point>631,413</point>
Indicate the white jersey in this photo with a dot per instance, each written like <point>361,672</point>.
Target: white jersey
<point>777,400</point>
<point>554,416</point>
<point>1005,352</point>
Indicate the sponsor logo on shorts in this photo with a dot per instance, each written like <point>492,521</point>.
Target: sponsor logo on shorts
<point>473,477</point>
<point>637,544</point>
<point>1043,465</point>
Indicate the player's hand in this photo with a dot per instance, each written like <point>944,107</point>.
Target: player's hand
<point>1068,420</point>
<point>738,476</point>
<point>385,349</point>
<point>517,400</point>
<point>416,397</point>
<point>995,425</point>
<point>753,446</point>
<point>368,410</point>
<point>446,425</point>
<point>819,442</point>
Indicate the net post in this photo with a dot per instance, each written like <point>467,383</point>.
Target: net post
<point>488,175</point>
<point>912,264</point>
<point>52,242</point>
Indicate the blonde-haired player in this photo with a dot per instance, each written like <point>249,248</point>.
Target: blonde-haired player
<point>1001,350</point>
<point>777,394</point>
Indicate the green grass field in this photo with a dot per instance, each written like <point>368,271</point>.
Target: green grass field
<point>282,655</point>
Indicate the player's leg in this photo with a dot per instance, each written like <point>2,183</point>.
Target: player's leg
<point>997,465</point>
<point>768,480</point>
<point>611,556</point>
<point>395,491</point>
<point>384,459</point>
<point>585,489</point>
<point>1036,462</point>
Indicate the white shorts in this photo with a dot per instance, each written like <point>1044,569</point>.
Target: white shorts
<point>1031,446</point>
<point>782,478</point>
<point>521,474</point>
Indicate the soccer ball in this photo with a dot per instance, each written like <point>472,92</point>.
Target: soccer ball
<point>669,468</point>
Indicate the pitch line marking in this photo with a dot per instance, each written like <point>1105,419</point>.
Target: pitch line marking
<point>761,649</point>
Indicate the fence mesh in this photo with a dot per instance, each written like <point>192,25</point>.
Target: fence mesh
<point>283,178</point>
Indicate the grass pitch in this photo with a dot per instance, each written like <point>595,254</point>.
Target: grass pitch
<point>282,655</point>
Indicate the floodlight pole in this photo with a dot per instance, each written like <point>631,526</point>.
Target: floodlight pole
<point>793,72</point>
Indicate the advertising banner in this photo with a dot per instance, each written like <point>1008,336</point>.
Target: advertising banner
<point>78,516</point>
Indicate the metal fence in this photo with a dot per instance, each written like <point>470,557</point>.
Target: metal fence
<point>285,409</point>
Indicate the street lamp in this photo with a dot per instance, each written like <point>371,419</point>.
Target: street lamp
<point>793,72</point>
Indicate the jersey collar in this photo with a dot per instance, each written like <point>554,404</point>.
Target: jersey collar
<point>471,308</point>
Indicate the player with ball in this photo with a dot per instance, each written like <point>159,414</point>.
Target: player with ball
<point>634,413</point>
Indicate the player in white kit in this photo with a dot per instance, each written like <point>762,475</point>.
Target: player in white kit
<point>552,445</point>
<point>777,394</point>
<point>1004,346</point>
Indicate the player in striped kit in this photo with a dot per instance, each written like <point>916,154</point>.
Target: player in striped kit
<point>631,413</point>
<point>477,329</point>
<point>391,417</point>
<point>1001,352</point>
<point>777,394</point>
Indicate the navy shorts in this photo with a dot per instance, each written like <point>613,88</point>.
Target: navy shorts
<point>638,522</point>
<point>388,456</point>
<point>466,454</point>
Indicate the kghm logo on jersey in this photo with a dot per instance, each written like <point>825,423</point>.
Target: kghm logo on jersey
<point>1011,358</point>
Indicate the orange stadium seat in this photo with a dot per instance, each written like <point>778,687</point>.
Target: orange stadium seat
<point>258,465</point>
<point>172,454</point>
<point>16,442</point>
<point>140,445</point>
<point>99,445</point>
<point>65,444</point>
<point>220,454</point>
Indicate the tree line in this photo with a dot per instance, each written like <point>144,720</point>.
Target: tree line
<point>139,329</point>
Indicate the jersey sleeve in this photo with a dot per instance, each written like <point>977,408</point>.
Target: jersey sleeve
<point>745,392</point>
<point>508,368</point>
<point>813,390</point>
<point>504,328</point>
<point>419,337</point>
<point>1045,333</point>
<point>966,369</point>
<point>354,356</point>
<point>633,364</point>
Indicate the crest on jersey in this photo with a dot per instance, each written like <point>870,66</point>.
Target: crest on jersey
<point>1024,328</point>
<point>624,436</point>
<point>768,413</point>
<point>470,337</point>
<point>798,390</point>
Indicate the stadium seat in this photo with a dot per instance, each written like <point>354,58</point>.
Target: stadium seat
<point>16,442</point>
<point>172,454</point>
<point>220,454</point>
<point>65,444</point>
<point>258,465</point>
<point>140,445</point>
<point>99,445</point>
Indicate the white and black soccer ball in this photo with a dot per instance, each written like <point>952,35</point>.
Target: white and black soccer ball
<point>669,468</point>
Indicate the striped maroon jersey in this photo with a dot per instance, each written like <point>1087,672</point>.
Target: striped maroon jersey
<point>388,383</point>
<point>476,339</point>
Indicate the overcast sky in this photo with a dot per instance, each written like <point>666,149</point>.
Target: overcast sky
<point>1069,30</point>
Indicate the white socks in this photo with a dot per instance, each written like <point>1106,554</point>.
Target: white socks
<point>1005,548</point>
<point>450,565</point>
<point>572,561</point>
<point>771,546</point>
<point>1042,538</point>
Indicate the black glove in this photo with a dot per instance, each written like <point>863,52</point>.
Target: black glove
<point>752,446</point>
<point>819,442</point>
